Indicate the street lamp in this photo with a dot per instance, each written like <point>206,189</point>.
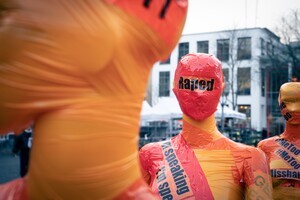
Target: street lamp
<point>223,103</point>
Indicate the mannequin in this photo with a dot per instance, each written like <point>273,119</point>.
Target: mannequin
<point>78,70</point>
<point>283,151</point>
<point>213,166</point>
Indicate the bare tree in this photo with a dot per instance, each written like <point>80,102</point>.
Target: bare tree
<point>233,64</point>
<point>277,59</point>
<point>289,27</point>
<point>289,31</point>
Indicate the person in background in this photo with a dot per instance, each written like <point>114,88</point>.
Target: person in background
<point>22,146</point>
<point>264,134</point>
<point>283,151</point>
<point>201,163</point>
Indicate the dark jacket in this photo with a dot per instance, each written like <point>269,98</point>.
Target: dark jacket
<point>22,145</point>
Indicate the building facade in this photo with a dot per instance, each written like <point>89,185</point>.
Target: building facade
<point>247,77</point>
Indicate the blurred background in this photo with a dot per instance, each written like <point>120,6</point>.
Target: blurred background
<point>258,43</point>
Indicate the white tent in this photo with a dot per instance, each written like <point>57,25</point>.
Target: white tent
<point>229,113</point>
<point>168,108</point>
<point>165,109</point>
<point>146,108</point>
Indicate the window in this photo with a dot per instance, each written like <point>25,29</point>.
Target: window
<point>202,47</point>
<point>223,49</point>
<point>270,49</point>
<point>246,109</point>
<point>244,48</point>
<point>167,61</point>
<point>262,47</point>
<point>244,81</point>
<point>226,74</point>
<point>183,49</point>
<point>164,84</point>
<point>263,83</point>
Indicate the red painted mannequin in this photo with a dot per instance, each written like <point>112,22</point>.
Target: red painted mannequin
<point>212,166</point>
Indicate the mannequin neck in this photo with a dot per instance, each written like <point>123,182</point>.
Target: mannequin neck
<point>292,132</point>
<point>200,133</point>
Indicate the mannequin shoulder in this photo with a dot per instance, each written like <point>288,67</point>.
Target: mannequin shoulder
<point>150,155</point>
<point>151,150</point>
<point>244,150</point>
<point>266,143</point>
<point>236,145</point>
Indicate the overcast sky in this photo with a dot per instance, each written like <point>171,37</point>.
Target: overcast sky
<point>216,15</point>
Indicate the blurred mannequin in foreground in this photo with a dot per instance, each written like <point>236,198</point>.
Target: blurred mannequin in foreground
<point>79,70</point>
<point>200,162</point>
<point>283,151</point>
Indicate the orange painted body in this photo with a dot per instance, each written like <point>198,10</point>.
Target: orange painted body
<point>283,151</point>
<point>78,70</point>
<point>232,170</point>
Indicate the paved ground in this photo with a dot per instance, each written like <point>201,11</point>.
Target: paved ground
<point>9,164</point>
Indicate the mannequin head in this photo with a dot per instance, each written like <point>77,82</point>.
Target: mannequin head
<point>289,102</point>
<point>198,85</point>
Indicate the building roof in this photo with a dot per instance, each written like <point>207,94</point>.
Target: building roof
<point>273,35</point>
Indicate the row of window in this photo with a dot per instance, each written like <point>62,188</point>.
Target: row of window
<point>223,52</point>
<point>243,49</point>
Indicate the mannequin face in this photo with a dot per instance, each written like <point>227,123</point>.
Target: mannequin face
<point>289,102</point>
<point>198,85</point>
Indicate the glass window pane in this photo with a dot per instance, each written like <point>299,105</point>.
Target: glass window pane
<point>226,74</point>
<point>183,49</point>
<point>244,81</point>
<point>223,49</point>
<point>202,46</point>
<point>164,84</point>
<point>244,48</point>
<point>262,47</point>
<point>263,82</point>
